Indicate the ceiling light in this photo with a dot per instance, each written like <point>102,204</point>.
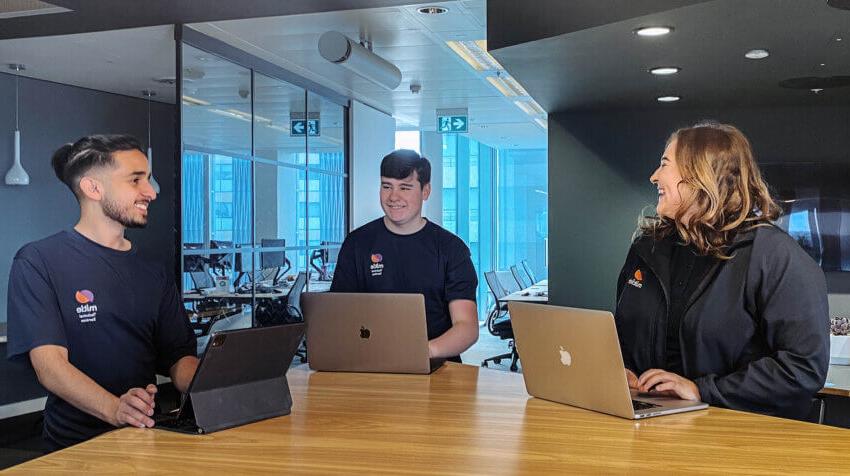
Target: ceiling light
<point>339,49</point>
<point>16,174</point>
<point>475,53</point>
<point>154,184</point>
<point>507,85</point>
<point>653,30</point>
<point>432,10</point>
<point>232,114</point>
<point>665,70</point>
<point>189,100</point>
<point>757,54</point>
<point>530,107</point>
<point>668,98</point>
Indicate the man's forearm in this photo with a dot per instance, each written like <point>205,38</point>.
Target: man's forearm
<point>460,337</point>
<point>182,372</point>
<point>70,384</point>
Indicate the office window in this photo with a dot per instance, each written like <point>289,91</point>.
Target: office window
<point>408,140</point>
<point>522,209</point>
<point>467,174</point>
<point>264,177</point>
<point>497,203</point>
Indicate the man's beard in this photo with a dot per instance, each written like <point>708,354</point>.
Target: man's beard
<point>113,210</point>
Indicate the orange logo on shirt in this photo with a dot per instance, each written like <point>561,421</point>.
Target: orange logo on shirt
<point>84,297</point>
<point>637,280</point>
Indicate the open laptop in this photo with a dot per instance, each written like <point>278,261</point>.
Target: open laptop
<point>354,332</point>
<point>572,356</point>
<point>241,378</point>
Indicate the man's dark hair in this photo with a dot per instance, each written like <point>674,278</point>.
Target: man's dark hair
<point>399,164</point>
<point>72,161</point>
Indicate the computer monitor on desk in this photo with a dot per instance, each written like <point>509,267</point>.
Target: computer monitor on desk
<point>275,260</point>
<point>326,258</point>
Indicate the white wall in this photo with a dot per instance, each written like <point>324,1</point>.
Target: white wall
<point>372,137</point>
<point>432,149</point>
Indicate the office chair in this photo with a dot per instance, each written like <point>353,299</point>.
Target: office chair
<point>498,322</point>
<point>528,271</point>
<point>274,312</point>
<point>221,262</point>
<point>293,305</point>
<point>508,282</point>
<point>520,277</point>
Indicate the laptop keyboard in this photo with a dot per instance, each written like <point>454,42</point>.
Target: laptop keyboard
<point>643,405</point>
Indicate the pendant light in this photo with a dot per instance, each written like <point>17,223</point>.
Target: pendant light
<point>17,175</point>
<point>149,94</point>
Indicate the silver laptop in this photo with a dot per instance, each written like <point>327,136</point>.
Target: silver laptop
<point>359,332</point>
<point>572,356</point>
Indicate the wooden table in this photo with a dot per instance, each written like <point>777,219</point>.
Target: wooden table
<point>460,420</point>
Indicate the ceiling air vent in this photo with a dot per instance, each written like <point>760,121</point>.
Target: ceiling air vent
<point>25,8</point>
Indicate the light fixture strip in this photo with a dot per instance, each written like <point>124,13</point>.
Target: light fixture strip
<point>475,54</point>
<point>194,101</point>
<point>531,108</point>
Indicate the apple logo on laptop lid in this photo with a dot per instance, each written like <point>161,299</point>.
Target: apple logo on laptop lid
<point>566,358</point>
<point>364,332</point>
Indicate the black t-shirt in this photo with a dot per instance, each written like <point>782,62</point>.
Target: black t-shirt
<point>687,270</point>
<point>432,262</point>
<point>118,315</point>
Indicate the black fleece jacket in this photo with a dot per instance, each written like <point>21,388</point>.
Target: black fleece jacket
<point>755,332</point>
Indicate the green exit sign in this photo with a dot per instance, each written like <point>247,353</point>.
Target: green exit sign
<point>447,124</point>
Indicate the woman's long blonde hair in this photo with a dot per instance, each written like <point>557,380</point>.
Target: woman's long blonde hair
<point>729,194</point>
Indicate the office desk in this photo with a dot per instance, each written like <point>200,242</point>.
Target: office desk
<point>530,294</point>
<point>837,381</point>
<point>460,420</point>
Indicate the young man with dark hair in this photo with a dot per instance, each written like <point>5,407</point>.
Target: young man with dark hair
<point>402,252</point>
<point>97,320</point>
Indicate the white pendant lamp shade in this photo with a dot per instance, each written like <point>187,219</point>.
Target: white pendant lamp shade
<point>17,175</point>
<point>154,184</point>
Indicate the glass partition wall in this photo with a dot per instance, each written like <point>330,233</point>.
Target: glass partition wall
<point>263,182</point>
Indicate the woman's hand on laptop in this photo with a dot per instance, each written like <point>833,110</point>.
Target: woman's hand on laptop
<point>668,384</point>
<point>632,379</point>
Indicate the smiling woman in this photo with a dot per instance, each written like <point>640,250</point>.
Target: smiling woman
<point>714,302</point>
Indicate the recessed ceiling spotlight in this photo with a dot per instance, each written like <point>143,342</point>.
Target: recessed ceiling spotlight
<point>822,65</point>
<point>839,39</point>
<point>757,54</point>
<point>653,30</point>
<point>665,70</point>
<point>816,90</point>
<point>668,98</point>
<point>432,10</point>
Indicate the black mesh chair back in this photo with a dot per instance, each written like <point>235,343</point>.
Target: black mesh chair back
<point>494,285</point>
<point>293,299</point>
<point>520,277</point>
<point>509,284</point>
<point>528,271</point>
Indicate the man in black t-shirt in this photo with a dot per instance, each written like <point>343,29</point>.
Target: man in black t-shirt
<point>96,320</point>
<point>402,252</point>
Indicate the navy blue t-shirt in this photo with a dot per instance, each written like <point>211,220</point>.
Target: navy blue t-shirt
<point>118,315</point>
<point>433,262</point>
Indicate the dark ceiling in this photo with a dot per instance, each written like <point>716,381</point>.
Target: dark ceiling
<point>103,15</point>
<point>601,66</point>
